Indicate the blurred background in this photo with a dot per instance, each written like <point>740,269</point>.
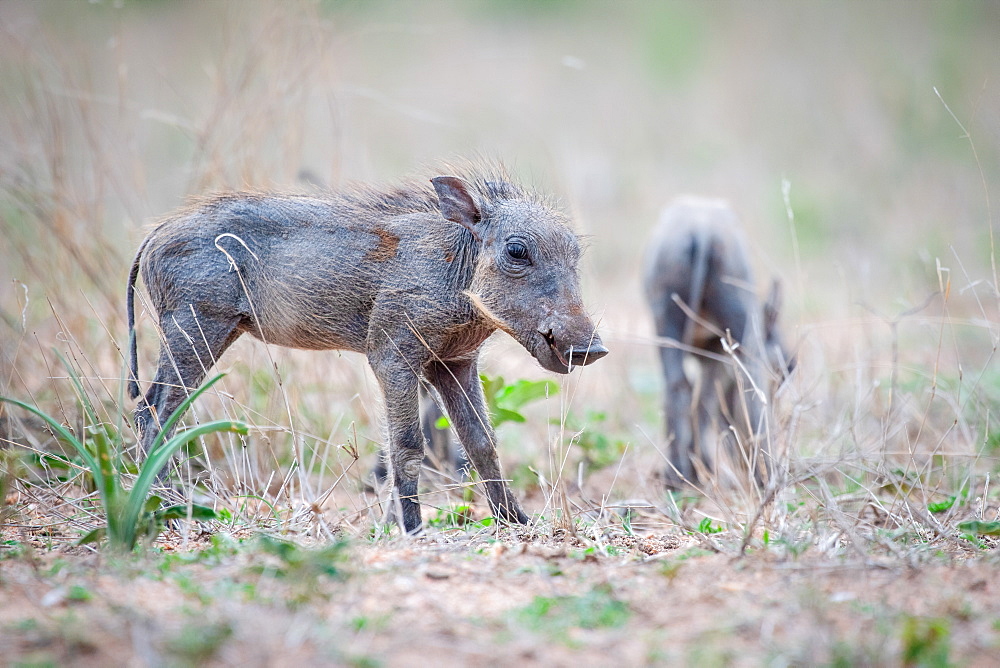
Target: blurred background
<point>858,142</point>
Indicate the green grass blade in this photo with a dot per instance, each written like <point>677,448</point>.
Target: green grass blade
<point>159,458</point>
<point>74,377</point>
<point>106,457</point>
<point>168,425</point>
<point>180,512</point>
<point>85,454</point>
<point>95,536</point>
<point>980,527</point>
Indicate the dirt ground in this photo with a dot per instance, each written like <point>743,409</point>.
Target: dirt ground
<point>493,597</point>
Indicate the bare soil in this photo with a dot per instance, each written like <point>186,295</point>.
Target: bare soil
<point>493,597</point>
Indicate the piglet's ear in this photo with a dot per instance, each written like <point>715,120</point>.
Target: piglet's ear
<point>455,202</point>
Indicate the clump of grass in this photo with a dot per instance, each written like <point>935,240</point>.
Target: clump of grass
<point>198,642</point>
<point>130,513</point>
<point>555,616</point>
<point>301,569</point>
<point>597,449</point>
<point>458,517</point>
<point>294,561</point>
<point>926,642</point>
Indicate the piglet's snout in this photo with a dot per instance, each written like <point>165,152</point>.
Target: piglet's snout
<point>586,354</point>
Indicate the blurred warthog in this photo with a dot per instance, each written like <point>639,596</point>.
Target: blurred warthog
<point>416,277</point>
<point>701,291</point>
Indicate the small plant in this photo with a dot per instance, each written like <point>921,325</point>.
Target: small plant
<point>627,521</point>
<point>300,568</point>
<point>554,616</point>
<point>450,518</point>
<point>789,545</point>
<point>670,568</point>
<point>926,642</point>
<point>11,549</point>
<point>598,450</point>
<point>706,527</point>
<point>593,552</point>
<point>505,401</point>
<point>380,531</point>
<point>299,562</point>
<point>375,623</point>
<point>197,642</point>
<point>458,517</point>
<point>980,528</point>
<point>131,513</point>
<point>78,594</point>
<point>943,506</point>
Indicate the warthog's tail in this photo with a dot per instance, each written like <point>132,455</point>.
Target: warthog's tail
<point>133,362</point>
<point>702,242</point>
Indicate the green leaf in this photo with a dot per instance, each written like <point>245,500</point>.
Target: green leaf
<point>705,526</point>
<point>180,512</point>
<point>502,415</point>
<point>942,506</point>
<point>158,458</point>
<point>88,459</point>
<point>152,504</point>
<point>180,410</point>
<point>78,593</point>
<point>503,401</point>
<point>50,460</point>
<point>525,392</point>
<point>980,527</point>
<point>491,386</point>
<point>442,422</point>
<point>95,536</point>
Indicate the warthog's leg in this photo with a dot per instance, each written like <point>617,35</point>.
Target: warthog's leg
<point>442,453</point>
<point>406,442</point>
<point>679,418</point>
<point>712,388</point>
<point>670,323</point>
<point>190,347</point>
<point>462,392</point>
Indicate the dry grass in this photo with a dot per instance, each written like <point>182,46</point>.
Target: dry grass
<point>859,150</point>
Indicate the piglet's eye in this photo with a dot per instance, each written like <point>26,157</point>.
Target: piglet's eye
<point>517,251</point>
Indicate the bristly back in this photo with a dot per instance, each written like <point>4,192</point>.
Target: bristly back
<point>490,182</point>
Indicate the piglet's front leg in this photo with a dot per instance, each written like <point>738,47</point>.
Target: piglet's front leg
<point>406,441</point>
<point>462,392</point>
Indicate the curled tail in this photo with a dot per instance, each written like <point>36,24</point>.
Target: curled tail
<point>133,363</point>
